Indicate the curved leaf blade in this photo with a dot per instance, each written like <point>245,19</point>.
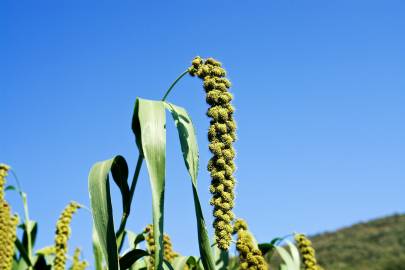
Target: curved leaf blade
<point>149,126</point>
<point>100,198</point>
<point>189,148</point>
<point>97,251</point>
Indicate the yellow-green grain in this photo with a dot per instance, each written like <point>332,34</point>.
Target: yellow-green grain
<point>240,224</point>
<point>62,235</point>
<point>8,229</point>
<point>77,263</point>
<point>250,256</point>
<point>307,252</point>
<point>168,253</point>
<point>3,174</point>
<point>8,225</point>
<point>221,135</point>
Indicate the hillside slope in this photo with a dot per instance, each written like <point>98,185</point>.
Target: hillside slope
<point>375,245</point>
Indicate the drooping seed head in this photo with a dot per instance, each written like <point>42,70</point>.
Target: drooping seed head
<point>221,135</point>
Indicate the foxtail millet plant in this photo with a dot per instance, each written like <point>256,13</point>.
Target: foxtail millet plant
<point>307,252</point>
<point>62,235</point>
<point>250,256</point>
<point>149,127</point>
<point>221,135</point>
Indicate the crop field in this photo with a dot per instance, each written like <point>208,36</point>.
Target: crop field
<point>152,248</point>
<point>214,135</point>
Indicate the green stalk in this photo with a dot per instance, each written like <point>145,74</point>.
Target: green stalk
<point>121,229</point>
<point>27,220</point>
<point>173,84</point>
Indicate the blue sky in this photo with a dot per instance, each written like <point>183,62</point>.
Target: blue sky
<point>319,90</point>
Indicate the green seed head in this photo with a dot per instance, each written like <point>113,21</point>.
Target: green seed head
<point>250,257</point>
<point>240,224</point>
<point>3,174</point>
<point>307,252</point>
<point>168,253</point>
<point>221,135</point>
<point>8,228</point>
<point>62,235</point>
<point>77,263</point>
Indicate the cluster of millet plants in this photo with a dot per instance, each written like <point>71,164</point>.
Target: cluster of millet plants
<point>152,248</point>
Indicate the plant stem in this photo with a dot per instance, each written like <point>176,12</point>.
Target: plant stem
<point>136,175</point>
<point>27,227</point>
<point>27,220</point>
<point>173,84</point>
<point>120,232</point>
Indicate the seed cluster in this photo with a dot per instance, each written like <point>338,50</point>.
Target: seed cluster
<point>221,135</point>
<point>77,263</point>
<point>240,224</point>
<point>8,228</point>
<point>250,256</point>
<point>3,174</point>
<point>168,253</point>
<point>8,225</point>
<point>307,252</point>
<point>62,235</point>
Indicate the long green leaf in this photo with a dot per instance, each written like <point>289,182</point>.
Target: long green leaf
<point>291,261</point>
<point>189,148</point>
<point>100,198</point>
<point>295,253</point>
<point>97,251</point>
<point>149,126</point>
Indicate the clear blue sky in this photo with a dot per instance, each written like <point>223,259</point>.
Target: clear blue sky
<point>319,89</point>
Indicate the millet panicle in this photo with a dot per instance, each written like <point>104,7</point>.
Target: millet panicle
<point>62,235</point>
<point>221,135</point>
<point>8,225</point>
<point>3,174</point>
<point>307,252</point>
<point>150,245</point>
<point>240,224</point>
<point>77,263</point>
<point>8,230</point>
<point>250,256</point>
<point>168,253</point>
